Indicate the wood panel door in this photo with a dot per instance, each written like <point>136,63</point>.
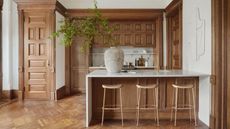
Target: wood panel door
<point>176,53</point>
<point>36,56</point>
<point>174,35</point>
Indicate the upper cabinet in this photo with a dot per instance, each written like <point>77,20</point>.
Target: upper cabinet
<point>132,33</point>
<point>174,34</point>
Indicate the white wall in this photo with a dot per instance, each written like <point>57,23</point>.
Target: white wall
<point>10,45</point>
<point>60,56</point>
<point>116,3</point>
<point>191,46</point>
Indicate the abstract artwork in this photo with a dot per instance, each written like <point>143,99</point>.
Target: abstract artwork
<point>200,35</point>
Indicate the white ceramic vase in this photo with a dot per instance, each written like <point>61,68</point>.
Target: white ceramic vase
<point>114,58</point>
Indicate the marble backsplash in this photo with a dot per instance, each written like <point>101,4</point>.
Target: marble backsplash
<point>131,54</point>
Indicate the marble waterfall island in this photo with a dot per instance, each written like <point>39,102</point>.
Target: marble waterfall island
<point>94,92</point>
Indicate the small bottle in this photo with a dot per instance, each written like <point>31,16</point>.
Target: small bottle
<point>136,62</point>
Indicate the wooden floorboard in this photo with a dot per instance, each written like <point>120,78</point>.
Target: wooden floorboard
<point>69,113</point>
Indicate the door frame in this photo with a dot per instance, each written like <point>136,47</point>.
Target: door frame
<point>219,64</point>
<point>176,6</point>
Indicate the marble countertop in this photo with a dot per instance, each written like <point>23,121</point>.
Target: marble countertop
<point>137,67</point>
<point>147,73</point>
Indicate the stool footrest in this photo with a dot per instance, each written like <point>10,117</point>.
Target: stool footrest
<point>182,108</point>
<point>147,108</point>
<point>111,108</point>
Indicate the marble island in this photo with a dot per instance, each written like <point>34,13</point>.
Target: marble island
<point>146,73</point>
<point>94,92</point>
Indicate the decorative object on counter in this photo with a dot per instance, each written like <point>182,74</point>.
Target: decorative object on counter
<point>130,66</point>
<point>136,62</point>
<point>141,61</point>
<point>86,27</point>
<point>114,59</point>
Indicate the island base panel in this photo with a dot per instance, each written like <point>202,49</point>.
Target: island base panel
<point>129,97</point>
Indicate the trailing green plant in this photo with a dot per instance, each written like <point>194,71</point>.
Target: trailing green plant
<point>87,27</point>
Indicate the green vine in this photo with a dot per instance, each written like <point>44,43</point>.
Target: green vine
<point>87,27</point>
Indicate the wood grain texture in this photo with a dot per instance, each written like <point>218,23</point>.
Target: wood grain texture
<point>220,67</point>
<point>36,56</point>
<point>120,14</point>
<point>69,113</point>
<point>129,97</point>
<point>9,94</point>
<point>61,9</point>
<point>174,35</point>
<point>36,50</point>
<point>228,62</point>
<point>61,93</point>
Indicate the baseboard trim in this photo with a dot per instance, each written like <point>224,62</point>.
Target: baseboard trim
<point>204,124</point>
<point>61,93</point>
<point>9,94</point>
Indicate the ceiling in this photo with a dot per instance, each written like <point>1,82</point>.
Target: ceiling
<point>116,4</point>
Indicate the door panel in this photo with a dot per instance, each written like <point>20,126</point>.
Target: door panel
<point>36,56</point>
<point>174,36</point>
<point>228,66</point>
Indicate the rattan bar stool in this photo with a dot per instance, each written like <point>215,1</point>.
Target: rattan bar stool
<point>153,87</point>
<point>176,106</point>
<point>105,107</point>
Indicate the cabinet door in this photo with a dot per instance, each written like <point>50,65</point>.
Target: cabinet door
<point>79,66</point>
<point>78,77</point>
<point>174,39</point>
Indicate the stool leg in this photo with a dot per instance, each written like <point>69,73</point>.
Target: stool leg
<point>176,100</point>
<point>154,103</point>
<point>190,105</point>
<point>194,106</point>
<point>103,108</point>
<point>138,106</point>
<point>121,108</point>
<point>172,105</point>
<point>156,90</point>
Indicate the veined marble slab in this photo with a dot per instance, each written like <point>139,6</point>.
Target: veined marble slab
<point>146,73</point>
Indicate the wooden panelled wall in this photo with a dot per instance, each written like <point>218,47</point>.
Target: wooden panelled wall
<point>138,28</point>
<point>220,79</point>
<point>174,34</point>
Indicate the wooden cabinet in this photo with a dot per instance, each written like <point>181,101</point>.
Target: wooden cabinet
<point>132,33</point>
<point>174,35</point>
<point>79,62</point>
<point>129,96</point>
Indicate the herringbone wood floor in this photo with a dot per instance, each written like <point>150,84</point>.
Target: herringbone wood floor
<point>68,113</point>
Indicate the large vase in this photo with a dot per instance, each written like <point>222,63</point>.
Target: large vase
<point>114,58</point>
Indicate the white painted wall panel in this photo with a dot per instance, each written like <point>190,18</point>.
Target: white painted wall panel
<point>10,45</point>
<point>193,46</point>
<point>60,56</point>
